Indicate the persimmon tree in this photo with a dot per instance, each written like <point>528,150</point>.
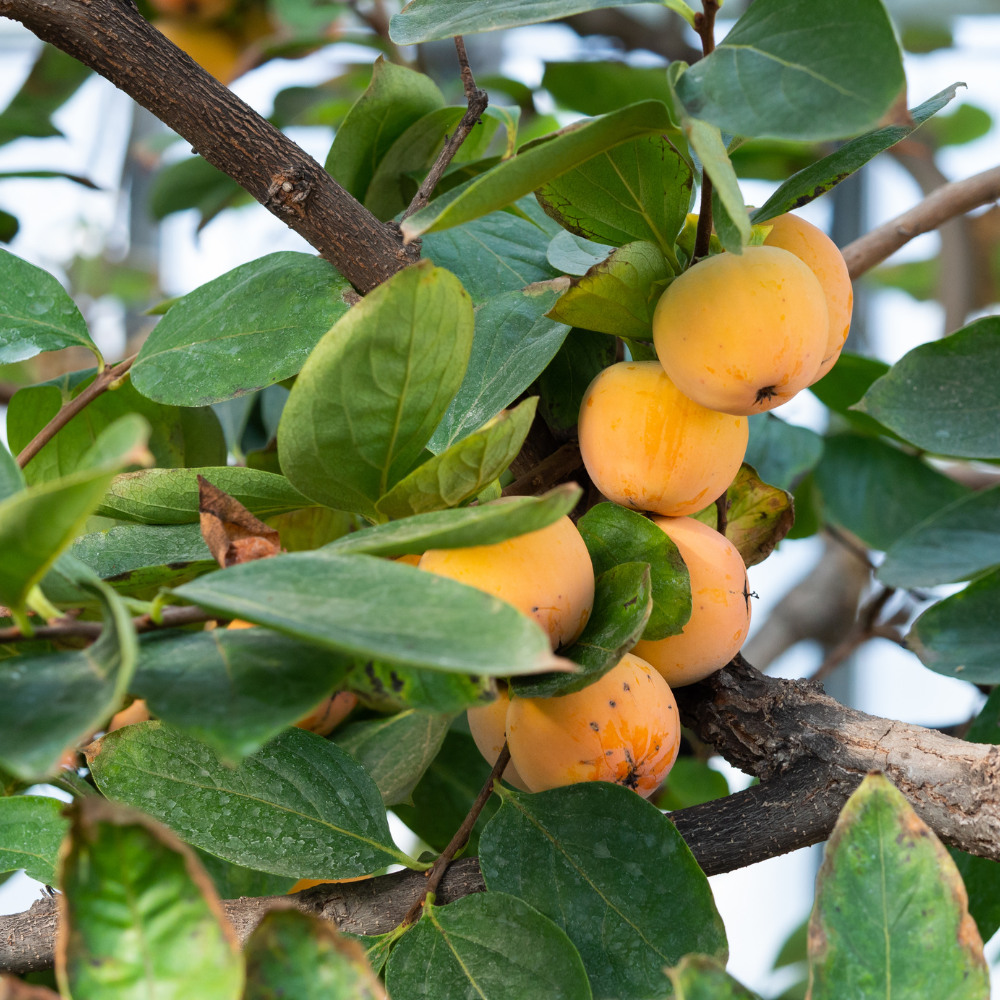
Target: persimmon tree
<point>417,387</point>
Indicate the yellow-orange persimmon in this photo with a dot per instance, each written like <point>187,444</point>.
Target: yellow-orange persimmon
<point>720,605</point>
<point>743,333</point>
<point>193,10</point>
<point>649,447</point>
<point>623,728</point>
<point>211,48</point>
<point>488,725</point>
<point>820,254</point>
<point>545,574</point>
<point>308,883</point>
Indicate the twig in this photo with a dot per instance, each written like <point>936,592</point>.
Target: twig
<point>548,473</point>
<point>841,539</point>
<point>704,24</point>
<point>461,837</point>
<point>71,409</point>
<point>170,618</point>
<point>947,202</point>
<point>722,513</point>
<point>864,629</point>
<point>477,100</point>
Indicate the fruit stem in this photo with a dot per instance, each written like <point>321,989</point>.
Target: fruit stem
<point>722,513</point>
<point>704,24</point>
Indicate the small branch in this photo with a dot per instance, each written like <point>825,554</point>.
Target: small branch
<point>704,24</point>
<point>477,100</point>
<point>69,410</point>
<point>864,629</point>
<point>947,202</point>
<point>850,545</point>
<point>460,839</point>
<point>171,618</point>
<point>722,513</point>
<point>548,473</point>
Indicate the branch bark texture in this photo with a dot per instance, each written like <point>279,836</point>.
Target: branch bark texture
<point>112,38</point>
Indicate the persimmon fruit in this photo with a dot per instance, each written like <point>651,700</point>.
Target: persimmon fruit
<point>488,725</point>
<point>211,48</point>
<point>649,447</point>
<point>720,605</point>
<point>193,10</point>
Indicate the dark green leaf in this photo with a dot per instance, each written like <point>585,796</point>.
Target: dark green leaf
<point>690,783</point>
<point>232,881</point>
<point>618,295</point>
<point>445,794</point>
<point>464,469</point>
<point>141,916</point>
<point>312,527</point>
<point>233,689</point>
<point>375,947</point>
<point>611,870</point>
<point>11,476</point>
<point>782,453</point>
<point>486,524</point>
<point>31,829</point>
<point>701,977</point>
<point>9,226</point>
<point>292,954</point>
<point>391,366</point>
<point>342,602</point>
<point>54,79</point>
<point>52,701</point>
<point>582,357</point>
<point>396,750</point>
<point>986,727</point>
<point>174,432</point>
<point>389,688</point>
<point>595,88</point>
<point>170,496</point>
<point>877,491</point>
<point>247,329</point>
<point>845,384</point>
<point>489,945</point>
<point>575,255</point>
<point>799,69</point>
<point>616,535</point>
<point>514,340</point>
<point>623,602</point>
<point>959,636</point>
<point>395,99</point>
<point>192,183</point>
<point>301,806</point>
<point>944,396</point>
<point>36,313</point>
<point>889,908</point>
<point>818,178</point>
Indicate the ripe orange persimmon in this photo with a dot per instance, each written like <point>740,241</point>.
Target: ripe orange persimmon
<point>815,249</point>
<point>211,48</point>
<point>545,574</point>
<point>623,728</point>
<point>308,883</point>
<point>720,605</point>
<point>648,447</point>
<point>488,724</point>
<point>193,10</point>
<point>743,333</point>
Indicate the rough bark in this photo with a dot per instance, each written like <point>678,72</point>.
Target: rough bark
<point>112,38</point>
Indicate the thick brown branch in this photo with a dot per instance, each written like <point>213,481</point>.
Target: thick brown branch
<point>171,618</point>
<point>945,203</point>
<point>112,38</point>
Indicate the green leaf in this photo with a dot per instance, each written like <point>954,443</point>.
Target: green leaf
<point>36,313</point>
<point>312,527</point>
<point>391,366</point>
<point>192,183</point>
<point>249,328</point>
<point>444,795</point>
<point>595,88</point>
<point>301,806</point>
<point>759,515</point>
<point>954,543</point>
<point>691,782</point>
<point>575,255</point>
<point>389,688</point>
<point>170,496</point>
<point>342,602</point>
<point>611,870</point>
<point>464,469</point>
<point>701,977</point>
<point>965,124</point>
<point>623,602</point>
<point>819,177</point>
<point>531,168</point>
<point>52,701</point>
<point>428,20</point>
<point>877,491</point>
<point>486,524</point>
<point>141,916</point>
<point>395,99</point>
<point>31,829</point>
<point>890,908</point>
<point>11,476</point>
<point>582,357</point>
<point>489,945</point>
<point>395,751</point>
<point>618,295</point>
<point>232,881</point>
<point>178,437</point>
<point>292,954</point>
<point>944,396</point>
<point>615,535</point>
<point>233,690</point>
<point>799,69</point>
<point>845,383</point>
<point>9,226</point>
<point>514,340</point>
<point>958,636</point>
<point>498,253</point>
<point>781,453</point>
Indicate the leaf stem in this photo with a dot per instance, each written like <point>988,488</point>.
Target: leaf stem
<point>460,839</point>
<point>704,24</point>
<point>170,618</point>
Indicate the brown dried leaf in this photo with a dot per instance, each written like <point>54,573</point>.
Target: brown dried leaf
<point>231,532</point>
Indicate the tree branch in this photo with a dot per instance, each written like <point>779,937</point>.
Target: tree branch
<point>548,473</point>
<point>112,38</point>
<point>704,24</point>
<point>169,618</point>
<point>945,203</point>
